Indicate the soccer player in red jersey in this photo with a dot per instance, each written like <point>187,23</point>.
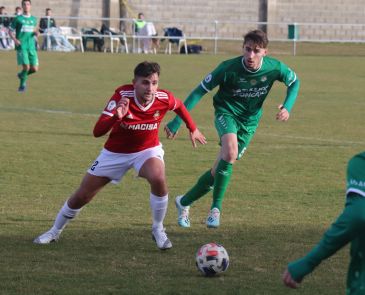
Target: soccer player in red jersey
<point>133,116</point>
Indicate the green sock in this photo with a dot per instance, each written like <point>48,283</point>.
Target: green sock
<point>23,75</point>
<point>203,186</point>
<point>221,181</point>
<point>31,72</point>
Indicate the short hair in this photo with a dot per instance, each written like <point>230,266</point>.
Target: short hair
<point>48,9</point>
<point>257,37</point>
<point>2,7</point>
<point>26,1</point>
<point>146,68</point>
<point>140,14</point>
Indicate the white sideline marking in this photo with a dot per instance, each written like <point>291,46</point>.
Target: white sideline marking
<point>36,110</point>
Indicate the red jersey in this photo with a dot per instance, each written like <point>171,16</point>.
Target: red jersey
<point>138,129</point>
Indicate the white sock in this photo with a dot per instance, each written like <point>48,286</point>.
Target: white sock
<point>159,208</point>
<point>63,217</point>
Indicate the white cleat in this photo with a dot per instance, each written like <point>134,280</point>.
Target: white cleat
<point>47,238</point>
<point>161,239</point>
<point>182,212</point>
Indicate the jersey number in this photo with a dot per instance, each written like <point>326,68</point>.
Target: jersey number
<point>92,168</point>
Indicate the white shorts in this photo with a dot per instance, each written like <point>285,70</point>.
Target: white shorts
<point>115,165</point>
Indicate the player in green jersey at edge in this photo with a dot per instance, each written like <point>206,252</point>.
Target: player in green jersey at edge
<point>349,227</point>
<point>244,83</point>
<point>22,31</point>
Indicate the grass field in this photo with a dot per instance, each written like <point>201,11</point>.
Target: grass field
<point>284,192</point>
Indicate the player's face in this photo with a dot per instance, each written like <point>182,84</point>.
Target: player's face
<point>146,88</point>
<point>26,7</point>
<point>253,55</point>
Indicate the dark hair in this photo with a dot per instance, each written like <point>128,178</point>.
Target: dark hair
<point>26,1</point>
<point>146,68</point>
<point>257,37</point>
<point>48,9</point>
<point>140,14</point>
<point>2,7</point>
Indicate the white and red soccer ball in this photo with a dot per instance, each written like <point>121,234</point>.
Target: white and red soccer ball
<point>212,259</point>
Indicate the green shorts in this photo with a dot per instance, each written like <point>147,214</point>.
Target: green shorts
<point>27,57</point>
<point>225,123</point>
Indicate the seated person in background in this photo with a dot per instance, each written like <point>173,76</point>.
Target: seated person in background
<point>46,23</point>
<point>4,19</point>
<point>18,11</point>
<point>5,41</point>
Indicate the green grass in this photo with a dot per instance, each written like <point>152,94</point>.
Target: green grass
<point>284,193</point>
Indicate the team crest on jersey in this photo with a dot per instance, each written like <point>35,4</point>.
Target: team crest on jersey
<point>242,80</point>
<point>111,105</point>
<point>156,115</point>
<point>208,78</point>
<point>253,82</point>
<point>263,78</point>
<point>129,116</point>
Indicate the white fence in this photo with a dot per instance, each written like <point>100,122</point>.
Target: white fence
<point>216,33</point>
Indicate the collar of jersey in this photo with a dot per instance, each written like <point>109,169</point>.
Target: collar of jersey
<point>147,107</point>
<point>244,66</point>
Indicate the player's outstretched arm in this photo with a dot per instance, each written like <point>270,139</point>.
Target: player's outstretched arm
<point>196,135</point>
<point>194,97</point>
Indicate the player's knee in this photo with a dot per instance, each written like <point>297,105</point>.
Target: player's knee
<point>158,180</point>
<point>230,156</point>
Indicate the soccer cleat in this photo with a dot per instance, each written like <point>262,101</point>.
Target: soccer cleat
<point>161,239</point>
<point>213,218</point>
<point>47,238</point>
<point>182,212</point>
<point>22,88</point>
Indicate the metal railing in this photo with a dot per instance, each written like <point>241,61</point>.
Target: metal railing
<point>217,33</point>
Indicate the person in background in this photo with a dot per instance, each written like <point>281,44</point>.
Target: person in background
<point>4,18</point>
<point>47,21</point>
<point>348,228</point>
<point>5,41</point>
<point>45,24</point>
<point>139,25</point>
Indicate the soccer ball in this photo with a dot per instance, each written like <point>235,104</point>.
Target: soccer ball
<point>212,259</point>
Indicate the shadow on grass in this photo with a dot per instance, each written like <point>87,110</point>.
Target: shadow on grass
<point>127,261</point>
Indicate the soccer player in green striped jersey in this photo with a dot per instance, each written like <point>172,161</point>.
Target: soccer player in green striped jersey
<point>348,228</point>
<point>23,29</point>
<point>244,83</point>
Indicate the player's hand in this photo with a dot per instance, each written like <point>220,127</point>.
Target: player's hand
<point>288,280</point>
<point>122,107</point>
<point>197,136</point>
<point>17,42</point>
<point>169,133</point>
<point>283,114</point>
